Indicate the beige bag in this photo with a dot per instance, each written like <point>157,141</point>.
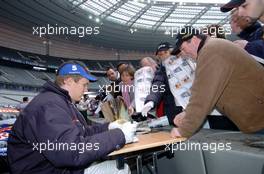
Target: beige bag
<point>108,111</point>
<point>115,110</point>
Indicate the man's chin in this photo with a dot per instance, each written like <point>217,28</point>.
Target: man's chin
<point>79,99</point>
<point>164,58</point>
<point>262,18</point>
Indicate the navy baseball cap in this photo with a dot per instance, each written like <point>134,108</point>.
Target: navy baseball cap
<point>76,69</point>
<point>185,34</point>
<point>164,46</point>
<point>231,4</point>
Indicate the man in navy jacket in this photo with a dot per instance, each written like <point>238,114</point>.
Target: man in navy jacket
<point>51,136</point>
<point>250,11</point>
<point>160,81</point>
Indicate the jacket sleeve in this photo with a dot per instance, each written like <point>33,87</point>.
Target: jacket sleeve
<point>211,77</point>
<point>72,148</point>
<point>158,84</point>
<point>256,48</point>
<point>96,128</point>
<point>132,97</point>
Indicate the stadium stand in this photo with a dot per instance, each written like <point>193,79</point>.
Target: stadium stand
<point>14,97</point>
<point>19,40</point>
<point>16,69</point>
<point>54,62</point>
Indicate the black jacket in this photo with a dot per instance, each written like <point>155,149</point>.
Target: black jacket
<point>251,33</point>
<point>51,118</point>
<point>254,34</point>
<point>160,81</point>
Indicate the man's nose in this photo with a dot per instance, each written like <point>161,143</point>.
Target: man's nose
<point>240,11</point>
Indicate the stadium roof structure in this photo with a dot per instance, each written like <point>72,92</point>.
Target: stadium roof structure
<point>123,24</point>
<point>153,15</point>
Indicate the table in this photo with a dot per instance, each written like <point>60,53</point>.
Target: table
<point>147,142</point>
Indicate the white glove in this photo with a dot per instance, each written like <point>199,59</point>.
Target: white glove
<point>115,125</point>
<point>146,108</point>
<point>129,130</point>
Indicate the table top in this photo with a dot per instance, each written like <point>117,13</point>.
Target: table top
<point>147,141</point>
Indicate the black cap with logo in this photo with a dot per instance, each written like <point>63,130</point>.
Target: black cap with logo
<point>185,34</point>
<point>164,46</point>
<point>231,4</point>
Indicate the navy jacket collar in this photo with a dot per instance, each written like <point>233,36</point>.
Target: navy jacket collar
<point>52,87</point>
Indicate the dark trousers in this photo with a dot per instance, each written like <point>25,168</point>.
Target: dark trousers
<point>221,122</point>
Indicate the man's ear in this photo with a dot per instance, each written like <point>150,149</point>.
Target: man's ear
<point>68,81</point>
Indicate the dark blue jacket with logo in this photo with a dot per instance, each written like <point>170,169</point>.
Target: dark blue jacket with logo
<point>51,117</point>
<point>255,37</point>
<point>160,82</point>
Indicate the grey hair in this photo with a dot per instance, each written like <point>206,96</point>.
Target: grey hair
<point>149,59</point>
